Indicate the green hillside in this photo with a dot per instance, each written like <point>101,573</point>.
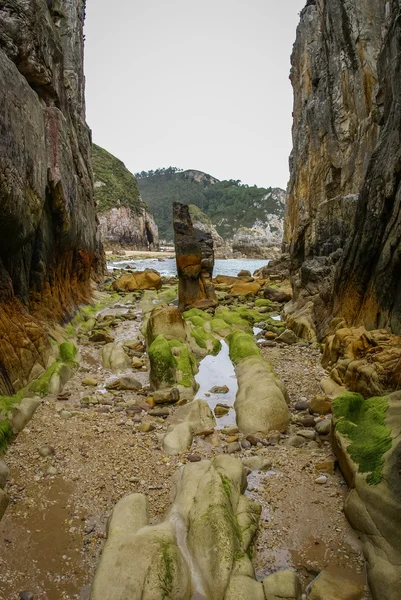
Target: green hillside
<point>114,184</point>
<point>229,204</point>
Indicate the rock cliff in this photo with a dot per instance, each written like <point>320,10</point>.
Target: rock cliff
<point>124,218</point>
<point>49,247</point>
<point>203,223</point>
<point>343,228</point>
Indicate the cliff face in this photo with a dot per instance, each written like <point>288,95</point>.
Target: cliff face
<point>124,218</point>
<point>342,227</point>
<point>201,222</point>
<point>48,229</point>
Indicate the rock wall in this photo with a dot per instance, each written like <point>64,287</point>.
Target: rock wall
<point>125,220</point>
<point>49,247</point>
<point>343,227</point>
<point>203,223</point>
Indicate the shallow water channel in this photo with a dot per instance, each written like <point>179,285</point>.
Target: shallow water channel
<point>213,371</point>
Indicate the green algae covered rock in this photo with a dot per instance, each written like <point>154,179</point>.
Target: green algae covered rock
<point>363,422</point>
<point>242,345</point>
<point>162,363</point>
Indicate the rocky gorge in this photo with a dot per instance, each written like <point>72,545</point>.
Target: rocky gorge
<point>205,436</point>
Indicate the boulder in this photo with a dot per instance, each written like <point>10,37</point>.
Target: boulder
<point>167,321</point>
<point>244,288</point>
<point>23,413</point>
<point>188,420</point>
<point>260,403</point>
<point>115,358</point>
<point>280,294</point>
<point>283,585</point>
<point>195,261</point>
<point>140,280</point>
<point>207,531</point>
<point>366,439</point>
<point>332,586</point>
<point>320,405</point>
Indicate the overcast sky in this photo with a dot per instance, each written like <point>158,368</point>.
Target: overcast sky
<point>193,84</point>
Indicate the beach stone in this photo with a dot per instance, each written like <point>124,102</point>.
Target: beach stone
<point>234,447</point>
<point>159,412</point>
<point>253,440</point>
<point>115,358</point>
<point>146,427</point>
<point>326,466</point>
<point>307,434</point>
<point>323,427</point>
<point>296,441</point>
<point>220,411</point>
<point>270,335</point>
<point>320,405</point>
<point>23,413</point>
<point>124,383</point>
<point>137,363</point>
<point>308,421</point>
<point>194,458</point>
<point>46,451</point>
<point>245,444</point>
<point>230,429</point>
<point>178,440</point>
<point>329,586</point>
<point>283,585</point>
<point>301,405</point>
<point>321,480</point>
<point>65,414</point>
<point>287,337</point>
<point>232,438</point>
<point>26,596</point>
<point>219,389</point>
<point>89,381</point>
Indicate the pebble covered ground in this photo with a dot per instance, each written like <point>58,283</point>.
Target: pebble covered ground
<point>75,460</point>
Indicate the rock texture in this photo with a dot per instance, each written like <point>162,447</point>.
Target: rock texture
<point>202,222</point>
<point>124,218</point>
<point>49,247</point>
<point>343,218</point>
<point>195,261</point>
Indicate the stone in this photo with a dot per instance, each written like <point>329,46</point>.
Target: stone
<point>146,427</point>
<point>323,427</point>
<point>140,280</point>
<point>166,321</point>
<point>101,337</point>
<point>89,381</point>
<point>320,405</point>
<point>270,335</point>
<point>124,383</point>
<point>307,434</point>
<point>287,337</point>
<point>257,463</point>
<point>26,596</point>
<point>195,261</point>
<point>253,440</point>
<point>230,429</point>
<point>231,439</point>
<point>65,414</point>
<point>159,412</point>
<point>137,363</point>
<point>194,458</point>
<point>244,288</point>
<point>23,413</point>
<point>321,480</point>
<point>279,294</point>
<point>4,474</point>
<point>115,358</point>
<point>282,584</point>
<point>4,500</point>
<point>234,447</point>
<point>208,498</point>
<point>219,389</point>
<point>221,411</point>
<point>46,451</point>
<point>260,404</point>
<point>52,471</point>
<point>308,421</point>
<point>296,441</point>
<point>301,405</point>
<point>326,466</point>
<point>332,586</point>
<point>244,273</point>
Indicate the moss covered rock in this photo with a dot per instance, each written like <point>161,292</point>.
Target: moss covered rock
<point>242,345</point>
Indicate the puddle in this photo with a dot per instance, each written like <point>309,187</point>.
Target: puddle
<point>218,370</point>
<point>276,317</point>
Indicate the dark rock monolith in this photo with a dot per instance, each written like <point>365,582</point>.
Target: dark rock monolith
<point>195,261</point>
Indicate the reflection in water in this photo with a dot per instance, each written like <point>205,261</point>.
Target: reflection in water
<point>218,370</point>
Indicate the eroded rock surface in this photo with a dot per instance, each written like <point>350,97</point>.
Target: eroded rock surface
<point>195,261</point>
<point>49,247</point>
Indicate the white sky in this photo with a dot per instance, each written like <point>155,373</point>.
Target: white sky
<point>199,84</point>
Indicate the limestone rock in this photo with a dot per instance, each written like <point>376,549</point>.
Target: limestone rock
<point>287,337</point>
<point>167,321</point>
<point>282,584</point>
<point>114,358</point>
<point>330,586</point>
<point>257,463</point>
<point>280,294</point>
<point>124,383</point>
<point>243,288</point>
<point>320,405</point>
<point>261,398</point>
<point>195,261</point>
<point>140,280</point>
<point>189,419</point>
<point>23,413</point>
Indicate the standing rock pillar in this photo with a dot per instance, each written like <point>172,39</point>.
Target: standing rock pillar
<point>195,261</point>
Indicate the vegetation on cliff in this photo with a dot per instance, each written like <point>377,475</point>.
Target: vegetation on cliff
<point>228,204</point>
<point>115,185</point>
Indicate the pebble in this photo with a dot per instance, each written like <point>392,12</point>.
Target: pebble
<point>194,458</point>
<point>234,447</point>
<point>321,480</point>
<point>45,451</point>
<point>230,429</point>
<point>51,471</point>
<point>323,427</point>
<point>308,421</point>
<point>232,438</point>
<point>253,440</point>
<point>146,427</point>
<point>246,445</point>
<point>219,389</point>
<point>90,381</point>
<point>26,596</point>
<point>65,414</point>
<point>301,405</point>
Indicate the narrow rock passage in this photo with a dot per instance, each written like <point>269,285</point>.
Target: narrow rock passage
<point>54,529</point>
